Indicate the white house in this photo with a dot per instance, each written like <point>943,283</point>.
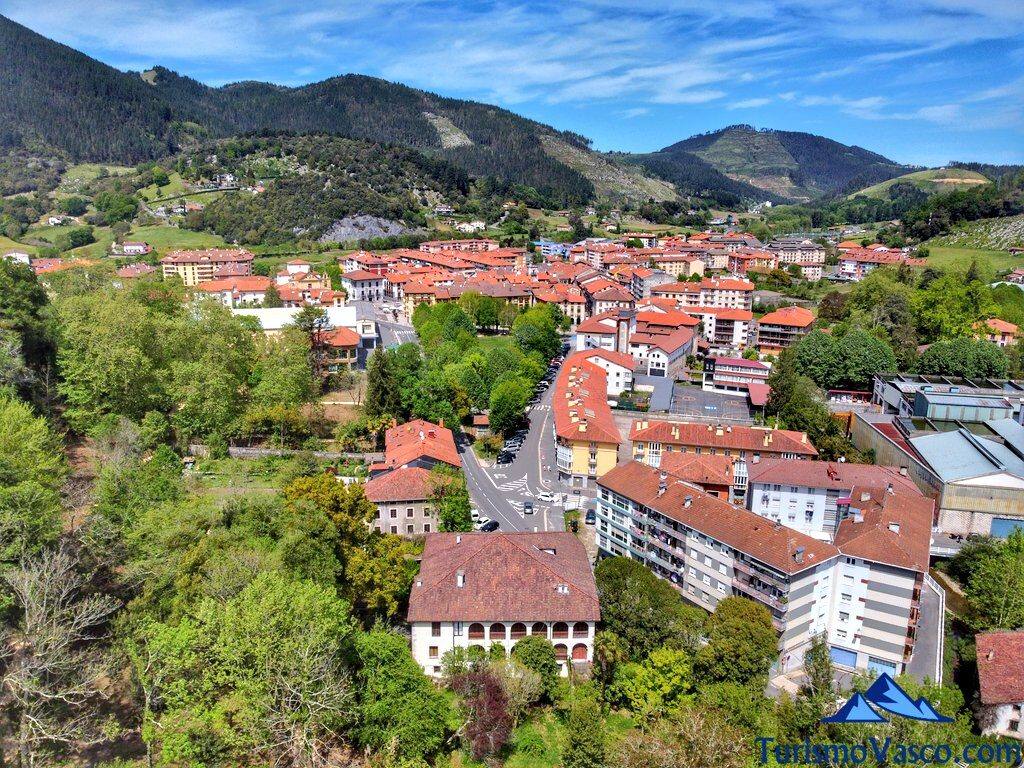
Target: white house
<point>478,589</point>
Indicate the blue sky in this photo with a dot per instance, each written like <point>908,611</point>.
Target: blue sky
<point>922,81</point>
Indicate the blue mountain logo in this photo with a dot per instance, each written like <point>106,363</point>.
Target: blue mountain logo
<point>884,694</point>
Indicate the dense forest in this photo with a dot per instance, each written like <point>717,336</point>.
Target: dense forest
<point>694,176</point>
<point>94,112</point>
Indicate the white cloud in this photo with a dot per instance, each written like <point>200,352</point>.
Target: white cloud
<point>749,103</point>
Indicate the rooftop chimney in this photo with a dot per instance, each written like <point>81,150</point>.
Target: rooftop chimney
<point>889,490</point>
<point>865,496</point>
<point>903,471</point>
<point>798,555</point>
<point>894,527</point>
<point>688,501</point>
<point>458,539</point>
<point>460,579</point>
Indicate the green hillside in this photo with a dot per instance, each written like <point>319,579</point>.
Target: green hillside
<point>787,163</point>
<point>931,181</point>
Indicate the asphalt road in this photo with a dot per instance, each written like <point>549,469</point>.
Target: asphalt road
<point>500,490</point>
<point>392,332</point>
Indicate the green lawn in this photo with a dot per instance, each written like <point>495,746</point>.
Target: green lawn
<point>48,233</point>
<point>489,342</point>
<point>163,237</point>
<point>6,244</point>
<point>176,186</point>
<point>960,258</point>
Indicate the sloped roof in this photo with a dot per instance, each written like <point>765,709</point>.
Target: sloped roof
<point>403,484</point>
<point>508,577</point>
<point>1000,667</point>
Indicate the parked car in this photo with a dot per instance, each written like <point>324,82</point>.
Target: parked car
<point>590,518</point>
<point>546,496</point>
<point>489,526</point>
<point>481,522</point>
<point>527,507</point>
<point>474,514</point>
<point>505,457</point>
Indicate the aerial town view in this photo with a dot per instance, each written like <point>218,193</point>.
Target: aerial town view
<point>457,384</point>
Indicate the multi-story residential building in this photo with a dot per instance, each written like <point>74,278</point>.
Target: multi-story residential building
<point>735,374</point>
<point>543,586</point>
<point>709,549</point>
<point>746,445</point>
<point>747,260</point>
<point>404,499</point>
<point>607,299</point>
<point>1001,679</point>
<point>586,437</point>
<point>569,299</point>
<point>797,250</point>
<point>473,245</point>
<point>618,367</point>
<point>807,495</point>
<point>361,285</point>
<point>195,267</point>
<point>721,292</point>
<point>646,239</point>
<point>237,291</point>
<point>726,330</point>
<point>783,328</point>
<point>661,351</point>
<point>679,263</point>
<point>644,280</point>
<point>862,590</point>
<point>712,474</point>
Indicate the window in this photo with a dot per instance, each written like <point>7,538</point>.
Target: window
<point>394,513</point>
<point>426,527</point>
<point>844,616</point>
<point>847,579</point>
<point>435,629</point>
<point>841,633</point>
<point>394,529</point>
<point>410,529</point>
<point>408,512</point>
<point>809,515</point>
<point>433,652</point>
<point>846,597</point>
<point>457,629</point>
<point>437,670</point>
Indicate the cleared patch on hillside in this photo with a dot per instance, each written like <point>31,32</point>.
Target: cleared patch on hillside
<point>449,133</point>
<point>932,181</point>
<point>608,177</point>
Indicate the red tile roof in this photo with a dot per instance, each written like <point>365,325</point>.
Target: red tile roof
<point>666,341</point>
<point>408,442</point>
<point>619,358</point>
<point>894,528</point>
<point>242,284</point>
<point>737,438</point>
<point>360,274</point>
<point>580,403</point>
<point>671,319</point>
<point>403,484</point>
<point>772,544</point>
<point>702,469</point>
<point>829,474</point>
<point>1000,667</point>
<point>794,317</point>
<point>341,337</point>
<point>508,577</point>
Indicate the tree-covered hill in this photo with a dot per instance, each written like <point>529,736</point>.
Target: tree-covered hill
<point>94,112</point>
<point>313,180</point>
<point>787,163</point>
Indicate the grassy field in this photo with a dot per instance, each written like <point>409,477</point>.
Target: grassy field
<point>176,186</point>
<point>488,343</point>
<point>77,176</point>
<point>6,244</point>
<point>931,181</point>
<point>163,237</point>
<point>960,258</point>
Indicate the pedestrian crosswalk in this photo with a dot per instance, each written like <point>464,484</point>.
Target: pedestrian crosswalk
<point>515,485</point>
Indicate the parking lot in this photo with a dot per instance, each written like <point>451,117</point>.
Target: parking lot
<point>693,402</point>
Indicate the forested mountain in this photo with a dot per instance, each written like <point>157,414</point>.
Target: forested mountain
<point>94,112</point>
<point>694,176</point>
<point>787,163</point>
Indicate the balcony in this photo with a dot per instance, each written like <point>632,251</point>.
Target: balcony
<point>666,547</point>
<point>758,594</point>
<point>745,567</point>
